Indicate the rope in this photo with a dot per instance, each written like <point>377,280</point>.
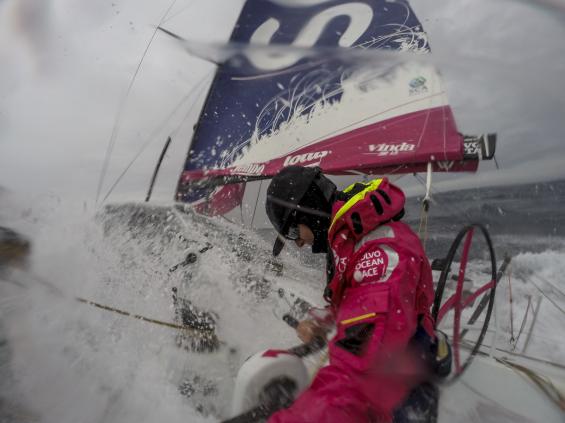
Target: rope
<point>511,306</point>
<point>423,227</point>
<point>135,316</point>
<point>546,386</point>
<point>197,333</point>
<point>553,287</point>
<point>456,211</point>
<point>523,325</point>
<point>546,297</point>
<point>531,331</point>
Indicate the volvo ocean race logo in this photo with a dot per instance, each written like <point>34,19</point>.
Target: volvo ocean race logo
<point>305,158</point>
<point>249,169</point>
<point>371,267</point>
<point>384,149</point>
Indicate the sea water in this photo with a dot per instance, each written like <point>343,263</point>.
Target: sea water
<point>63,361</point>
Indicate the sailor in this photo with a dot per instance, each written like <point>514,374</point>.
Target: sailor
<point>379,293</point>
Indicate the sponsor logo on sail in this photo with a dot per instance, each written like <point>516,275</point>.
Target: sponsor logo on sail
<point>472,148</point>
<point>418,86</point>
<point>249,169</point>
<point>384,149</point>
<point>315,157</point>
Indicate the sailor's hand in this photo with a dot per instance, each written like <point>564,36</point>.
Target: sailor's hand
<point>307,330</point>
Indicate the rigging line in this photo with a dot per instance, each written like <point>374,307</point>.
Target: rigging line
<point>153,136</point>
<point>425,208</point>
<point>512,339</point>
<point>532,325</point>
<point>544,337</point>
<point>543,383</point>
<point>523,325</point>
<point>121,110</point>
<point>552,364</point>
<point>423,227</point>
<point>546,296</point>
<point>200,87</point>
<point>458,211</point>
<point>182,10</point>
<point>241,213</point>
<point>496,163</point>
<point>187,48</point>
<point>549,283</point>
<point>256,202</point>
<point>228,220</point>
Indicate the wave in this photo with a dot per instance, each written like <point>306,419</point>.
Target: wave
<point>78,363</point>
<point>67,362</point>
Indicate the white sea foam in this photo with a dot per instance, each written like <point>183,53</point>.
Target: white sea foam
<point>71,362</point>
<point>74,363</point>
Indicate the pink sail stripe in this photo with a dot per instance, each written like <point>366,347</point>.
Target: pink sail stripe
<point>403,142</point>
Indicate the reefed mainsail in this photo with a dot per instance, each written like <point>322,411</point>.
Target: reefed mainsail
<point>316,105</point>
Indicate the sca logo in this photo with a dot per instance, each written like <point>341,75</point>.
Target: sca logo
<point>305,158</point>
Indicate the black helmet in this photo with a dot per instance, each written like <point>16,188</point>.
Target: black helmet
<point>300,195</point>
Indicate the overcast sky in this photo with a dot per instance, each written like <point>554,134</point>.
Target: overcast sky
<point>65,66</point>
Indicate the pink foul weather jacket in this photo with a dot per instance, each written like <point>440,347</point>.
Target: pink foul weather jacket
<point>380,291</point>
